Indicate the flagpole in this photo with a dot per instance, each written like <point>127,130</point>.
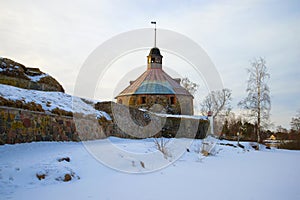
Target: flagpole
<point>154,33</point>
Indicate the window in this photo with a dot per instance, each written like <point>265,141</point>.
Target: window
<point>120,101</point>
<point>143,100</point>
<point>172,100</point>
<point>132,101</point>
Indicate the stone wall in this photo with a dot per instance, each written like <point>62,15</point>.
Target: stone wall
<point>18,125</point>
<point>173,104</point>
<point>169,126</point>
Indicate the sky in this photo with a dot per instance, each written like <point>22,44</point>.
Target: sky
<point>59,35</point>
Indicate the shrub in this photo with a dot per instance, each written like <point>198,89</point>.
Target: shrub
<point>60,112</point>
<point>161,145</point>
<point>292,145</point>
<point>21,104</point>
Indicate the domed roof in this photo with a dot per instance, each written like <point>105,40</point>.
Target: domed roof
<point>155,52</point>
<point>155,81</point>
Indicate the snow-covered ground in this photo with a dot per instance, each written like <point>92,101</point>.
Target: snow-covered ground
<point>51,100</point>
<point>233,173</point>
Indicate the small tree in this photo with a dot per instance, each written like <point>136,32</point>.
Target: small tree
<point>295,123</point>
<point>189,85</point>
<point>161,145</point>
<point>258,100</point>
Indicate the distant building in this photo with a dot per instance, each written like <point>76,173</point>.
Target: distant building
<point>272,137</point>
<point>155,86</point>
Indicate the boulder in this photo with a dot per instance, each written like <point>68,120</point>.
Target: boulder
<point>16,74</point>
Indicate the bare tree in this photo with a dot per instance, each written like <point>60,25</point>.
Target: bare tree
<point>217,102</point>
<point>295,123</point>
<point>258,100</point>
<point>280,129</point>
<point>189,85</point>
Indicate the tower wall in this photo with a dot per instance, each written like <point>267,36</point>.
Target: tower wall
<point>172,104</point>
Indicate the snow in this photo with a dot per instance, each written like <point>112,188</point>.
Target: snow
<point>177,116</point>
<point>116,168</point>
<point>51,100</point>
<point>232,173</point>
<point>37,78</point>
<point>183,116</point>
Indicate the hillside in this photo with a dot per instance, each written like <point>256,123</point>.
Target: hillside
<point>49,102</point>
<point>17,74</point>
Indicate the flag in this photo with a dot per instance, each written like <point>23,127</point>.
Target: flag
<point>153,22</point>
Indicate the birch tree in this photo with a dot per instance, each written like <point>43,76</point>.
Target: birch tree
<point>258,100</point>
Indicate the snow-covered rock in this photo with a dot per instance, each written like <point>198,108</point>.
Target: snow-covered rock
<point>51,100</point>
<point>16,74</point>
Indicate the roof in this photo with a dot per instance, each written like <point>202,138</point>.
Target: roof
<point>154,81</point>
<point>155,51</point>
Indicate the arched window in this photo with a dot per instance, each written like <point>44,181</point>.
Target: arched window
<point>143,100</point>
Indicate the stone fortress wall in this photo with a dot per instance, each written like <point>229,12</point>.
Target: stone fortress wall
<point>19,125</point>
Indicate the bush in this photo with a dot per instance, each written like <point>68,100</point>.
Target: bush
<point>292,145</point>
<point>32,106</point>
<point>208,146</point>
<point>61,112</point>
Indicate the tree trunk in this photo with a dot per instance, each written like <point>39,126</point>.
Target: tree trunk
<point>258,128</point>
<point>258,82</point>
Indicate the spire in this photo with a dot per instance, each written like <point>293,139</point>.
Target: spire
<point>154,59</point>
<point>153,22</point>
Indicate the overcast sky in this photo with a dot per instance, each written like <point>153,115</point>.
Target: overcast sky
<point>58,35</point>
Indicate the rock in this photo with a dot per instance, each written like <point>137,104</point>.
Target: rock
<point>142,164</point>
<point>67,178</point>
<point>255,146</point>
<point>67,159</point>
<point>41,176</point>
<point>205,153</point>
<point>16,74</point>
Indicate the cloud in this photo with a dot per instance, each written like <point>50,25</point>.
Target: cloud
<point>58,36</point>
